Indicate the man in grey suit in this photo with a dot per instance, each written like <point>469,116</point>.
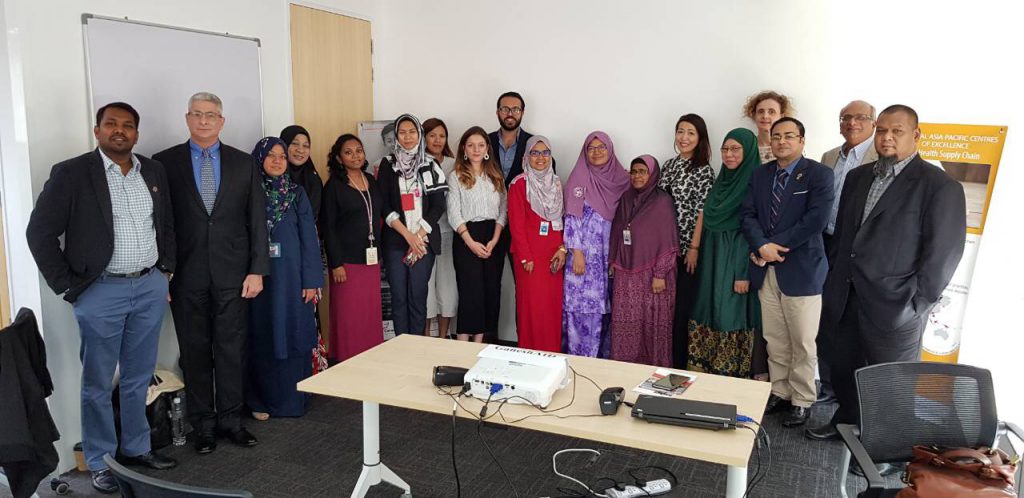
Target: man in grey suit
<point>856,125</point>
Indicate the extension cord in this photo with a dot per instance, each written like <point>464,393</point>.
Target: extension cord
<point>653,488</point>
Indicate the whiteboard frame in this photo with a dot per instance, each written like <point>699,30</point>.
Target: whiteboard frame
<point>88,74</point>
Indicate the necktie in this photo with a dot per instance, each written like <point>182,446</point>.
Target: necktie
<point>777,190</point>
<point>207,184</point>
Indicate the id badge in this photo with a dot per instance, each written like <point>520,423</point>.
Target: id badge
<point>545,228</point>
<point>408,202</point>
<point>627,237</point>
<point>275,249</point>
<point>371,255</point>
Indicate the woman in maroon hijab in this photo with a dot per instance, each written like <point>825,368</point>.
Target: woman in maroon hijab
<point>644,245</point>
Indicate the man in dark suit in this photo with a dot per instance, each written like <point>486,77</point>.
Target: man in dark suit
<point>222,255</point>
<point>898,240</point>
<point>114,211</point>
<point>783,216</point>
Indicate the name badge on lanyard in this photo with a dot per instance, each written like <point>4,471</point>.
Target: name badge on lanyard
<point>627,237</point>
<point>371,255</point>
<point>275,249</point>
<point>545,228</point>
<point>408,202</point>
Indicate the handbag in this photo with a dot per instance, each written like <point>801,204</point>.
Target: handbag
<point>955,472</point>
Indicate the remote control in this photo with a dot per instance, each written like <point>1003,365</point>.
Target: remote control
<point>653,488</point>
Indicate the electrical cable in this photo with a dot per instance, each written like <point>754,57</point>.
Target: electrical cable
<point>554,467</point>
<point>511,486</point>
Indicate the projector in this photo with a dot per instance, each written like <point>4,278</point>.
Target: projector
<point>526,376</point>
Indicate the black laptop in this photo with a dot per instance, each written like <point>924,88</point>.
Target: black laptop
<point>685,412</point>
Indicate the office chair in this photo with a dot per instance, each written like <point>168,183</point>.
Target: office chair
<point>134,484</point>
<point>908,403</point>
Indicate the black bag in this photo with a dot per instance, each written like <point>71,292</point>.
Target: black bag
<point>158,413</point>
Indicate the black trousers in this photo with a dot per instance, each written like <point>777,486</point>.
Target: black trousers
<point>479,282</point>
<point>686,293</point>
<point>824,363</point>
<point>856,342</point>
<point>212,325</point>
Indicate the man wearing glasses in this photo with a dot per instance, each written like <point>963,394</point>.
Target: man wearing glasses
<point>222,255</point>
<point>898,240</point>
<point>856,125</point>
<point>783,216</point>
<point>508,142</point>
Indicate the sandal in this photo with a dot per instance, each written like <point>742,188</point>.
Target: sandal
<point>261,416</point>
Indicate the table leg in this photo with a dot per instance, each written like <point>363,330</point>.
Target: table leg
<point>374,472</point>
<point>735,482</point>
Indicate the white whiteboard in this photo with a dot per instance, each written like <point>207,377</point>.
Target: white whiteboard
<point>157,68</point>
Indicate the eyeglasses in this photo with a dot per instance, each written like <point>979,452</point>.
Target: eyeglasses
<point>540,153</point>
<point>510,110</point>
<point>789,137</point>
<point>276,157</point>
<point>209,116</point>
<point>599,148</point>
<point>734,150</point>
<point>639,172</point>
<point>860,118</point>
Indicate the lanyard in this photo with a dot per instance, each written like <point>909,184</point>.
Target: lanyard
<point>367,202</point>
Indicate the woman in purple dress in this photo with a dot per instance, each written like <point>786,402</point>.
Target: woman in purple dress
<point>644,245</point>
<point>591,196</point>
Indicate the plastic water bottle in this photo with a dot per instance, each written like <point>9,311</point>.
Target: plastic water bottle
<point>177,422</point>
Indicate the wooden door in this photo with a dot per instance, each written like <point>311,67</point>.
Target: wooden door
<point>332,76</point>
<point>5,297</point>
<point>332,86</point>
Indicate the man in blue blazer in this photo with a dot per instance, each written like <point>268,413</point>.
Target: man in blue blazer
<point>784,214</point>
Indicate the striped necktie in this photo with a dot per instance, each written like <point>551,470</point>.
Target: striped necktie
<point>777,189</point>
<point>207,183</point>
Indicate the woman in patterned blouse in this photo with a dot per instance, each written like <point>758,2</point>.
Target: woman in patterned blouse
<point>687,177</point>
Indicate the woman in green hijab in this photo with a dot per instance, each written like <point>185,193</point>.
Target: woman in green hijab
<point>726,314</point>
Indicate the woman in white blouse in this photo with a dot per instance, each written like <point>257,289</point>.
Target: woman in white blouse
<point>477,210</point>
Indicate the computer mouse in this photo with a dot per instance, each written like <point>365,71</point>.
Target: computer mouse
<point>610,400</point>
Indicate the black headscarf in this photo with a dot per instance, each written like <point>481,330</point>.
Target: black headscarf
<point>304,174</point>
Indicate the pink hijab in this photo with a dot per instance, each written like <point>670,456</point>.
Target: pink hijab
<point>600,186</point>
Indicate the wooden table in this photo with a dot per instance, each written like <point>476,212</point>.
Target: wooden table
<point>398,373</point>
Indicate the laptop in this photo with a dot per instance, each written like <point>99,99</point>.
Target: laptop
<point>685,412</point>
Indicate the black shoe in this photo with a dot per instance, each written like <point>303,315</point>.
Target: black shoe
<point>206,442</point>
<point>776,404</point>
<point>827,432</point>
<point>104,482</point>
<point>152,460</point>
<point>798,415</point>
<point>241,437</point>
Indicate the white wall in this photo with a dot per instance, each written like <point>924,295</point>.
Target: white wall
<point>628,68</point>
<point>631,68</point>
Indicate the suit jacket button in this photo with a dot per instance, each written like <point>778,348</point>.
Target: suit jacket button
<point>852,254</point>
<point>211,223</point>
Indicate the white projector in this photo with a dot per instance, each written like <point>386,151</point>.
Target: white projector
<point>526,376</point>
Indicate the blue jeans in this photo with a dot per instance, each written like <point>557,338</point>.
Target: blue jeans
<point>119,320</point>
<point>409,286</point>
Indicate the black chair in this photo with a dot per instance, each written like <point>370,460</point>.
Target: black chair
<point>134,484</point>
<point>908,403</point>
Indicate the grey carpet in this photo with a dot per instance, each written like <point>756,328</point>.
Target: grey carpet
<point>320,455</point>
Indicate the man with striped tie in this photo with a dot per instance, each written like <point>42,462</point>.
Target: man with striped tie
<point>222,254</point>
<point>785,211</point>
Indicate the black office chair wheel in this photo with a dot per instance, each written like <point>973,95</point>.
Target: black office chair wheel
<point>59,486</point>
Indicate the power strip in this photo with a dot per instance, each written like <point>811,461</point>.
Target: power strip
<point>653,488</point>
